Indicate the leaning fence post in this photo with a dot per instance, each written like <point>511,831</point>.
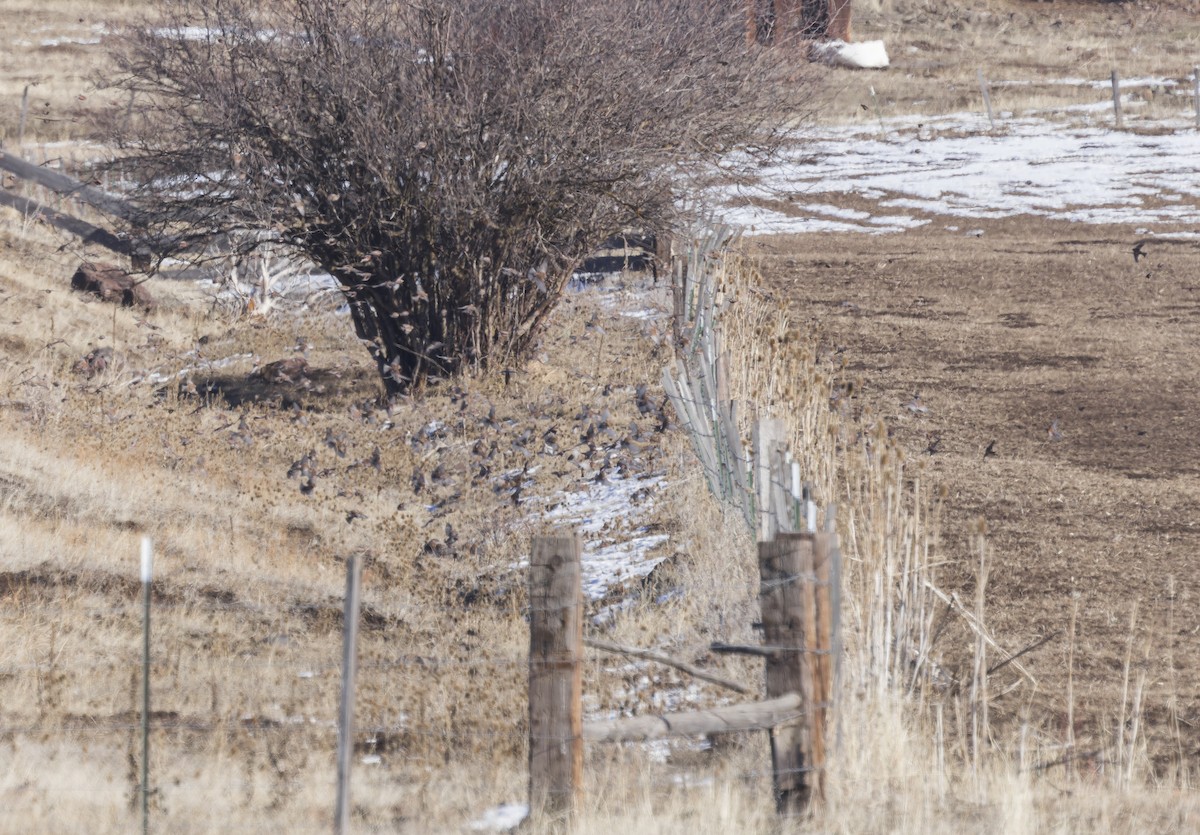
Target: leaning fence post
<point>786,568</point>
<point>147,569</point>
<point>345,750</point>
<point>555,675</point>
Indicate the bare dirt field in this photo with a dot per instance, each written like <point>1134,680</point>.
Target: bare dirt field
<point>1046,344</point>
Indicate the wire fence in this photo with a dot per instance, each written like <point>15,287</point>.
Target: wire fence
<point>253,772</point>
<point>286,737</point>
<point>275,741</point>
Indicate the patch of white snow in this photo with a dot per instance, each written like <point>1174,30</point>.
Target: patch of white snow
<point>504,818</point>
<point>864,55</point>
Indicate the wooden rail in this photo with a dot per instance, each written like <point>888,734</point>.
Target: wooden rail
<point>87,232</point>
<point>66,186</point>
<point>750,716</point>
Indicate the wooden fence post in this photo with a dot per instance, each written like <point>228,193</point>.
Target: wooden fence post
<point>751,33</point>
<point>24,117</point>
<point>1196,92</point>
<point>987,96</point>
<point>786,569</point>
<point>824,593</point>
<point>839,20</point>
<point>1116,87</point>
<point>147,579</point>
<point>555,675</point>
<point>345,750</point>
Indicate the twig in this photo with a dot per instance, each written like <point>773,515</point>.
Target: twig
<point>1068,759</point>
<point>969,617</point>
<point>1039,642</point>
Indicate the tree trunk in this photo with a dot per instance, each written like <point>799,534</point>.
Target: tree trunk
<point>399,366</point>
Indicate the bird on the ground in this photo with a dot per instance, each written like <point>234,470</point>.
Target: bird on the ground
<point>990,451</point>
<point>1054,433</point>
<point>303,466</point>
<point>438,475</point>
<point>916,406</point>
<point>336,442</point>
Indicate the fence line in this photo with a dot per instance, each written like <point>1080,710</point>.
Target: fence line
<point>764,483</point>
<point>797,623</point>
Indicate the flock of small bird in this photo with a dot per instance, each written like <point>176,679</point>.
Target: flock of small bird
<point>462,441</point>
<point>917,406</point>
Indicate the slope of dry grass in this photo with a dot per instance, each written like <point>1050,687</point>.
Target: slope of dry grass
<point>442,496</point>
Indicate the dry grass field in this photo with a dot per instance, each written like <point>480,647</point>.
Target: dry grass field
<point>1044,337</point>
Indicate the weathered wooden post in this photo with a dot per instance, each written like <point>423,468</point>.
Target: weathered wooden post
<point>147,579</point>
<point>839,20</point>
<point>24,117</point>
<point>555,675</point>
<point>824,547</point>
<point>760,22</point>
<point>786,568</point>
<point>1196,92</point>
<point>767,438</point>
<point>987,97</point>
<point>345,750</point>
<point>1116,87</point>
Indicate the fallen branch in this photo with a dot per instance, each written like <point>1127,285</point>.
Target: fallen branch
<point>659,658</point>
<point>969,617</point>
<point>1012,658</point>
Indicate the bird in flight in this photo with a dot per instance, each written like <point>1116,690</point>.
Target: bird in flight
<point>1137,251</point>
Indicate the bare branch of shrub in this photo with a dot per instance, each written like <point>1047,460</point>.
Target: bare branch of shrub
<point>448,163</point>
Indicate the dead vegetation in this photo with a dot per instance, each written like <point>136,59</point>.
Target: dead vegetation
<point>448,166</point>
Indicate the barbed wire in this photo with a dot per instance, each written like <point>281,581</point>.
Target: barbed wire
<point>306,668</point>
<point>334,612</point>
<point>311,725</point>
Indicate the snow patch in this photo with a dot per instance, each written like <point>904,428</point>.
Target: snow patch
<point>1082,173</point>
<point>504,818</point>
<point>864,55</point>
<point>615,549</point>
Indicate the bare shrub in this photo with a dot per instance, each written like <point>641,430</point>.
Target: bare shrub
<point>448,163</point>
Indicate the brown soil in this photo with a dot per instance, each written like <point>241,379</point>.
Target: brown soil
<point>1002,335</point>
